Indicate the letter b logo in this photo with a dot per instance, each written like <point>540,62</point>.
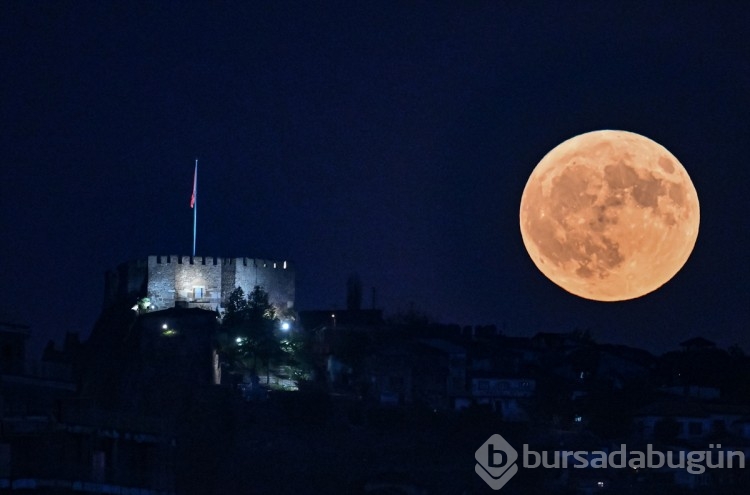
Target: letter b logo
<point>496,462</point>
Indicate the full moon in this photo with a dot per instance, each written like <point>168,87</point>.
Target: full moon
<point>609,215</point>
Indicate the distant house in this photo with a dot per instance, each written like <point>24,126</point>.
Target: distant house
<point>502,393</point>
<point>51,440</point>
<point>72,447</point>
<point>388,373</point>
<point>741,427</point>
<point>340,339</point>
<point>336,335</point>
<point>692,420</point>
<point>559,341</point>
<point>693,391</point>
<point>60,363</point>
<point>620,363</point>
<point>431,372</point>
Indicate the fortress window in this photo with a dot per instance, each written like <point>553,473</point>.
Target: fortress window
<point>198,292</point>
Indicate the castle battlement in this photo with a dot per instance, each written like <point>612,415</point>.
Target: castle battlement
<point>199,281</point>
<point>212,260</point>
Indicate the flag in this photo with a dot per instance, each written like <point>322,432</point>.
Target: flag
<point>195,184</point>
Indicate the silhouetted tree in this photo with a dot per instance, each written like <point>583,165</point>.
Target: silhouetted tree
<point>236,308</point>
<point>262,340</point>
<point>251,325</point>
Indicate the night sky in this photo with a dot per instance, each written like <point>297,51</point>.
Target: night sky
<point>389,139</point>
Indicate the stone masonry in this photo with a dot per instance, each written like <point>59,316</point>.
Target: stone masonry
<point>199,281</point>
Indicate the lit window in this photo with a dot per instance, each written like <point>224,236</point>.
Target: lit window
<point>199,292</point>
<point>578,418</point>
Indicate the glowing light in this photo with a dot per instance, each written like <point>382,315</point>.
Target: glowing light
<point>285,326</point>
<point>164,326</point>
<point>609,215</point>
<point>170,332</point>
<point>238,340</point>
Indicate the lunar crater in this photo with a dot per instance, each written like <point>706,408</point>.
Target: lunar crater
<point>609,215</point>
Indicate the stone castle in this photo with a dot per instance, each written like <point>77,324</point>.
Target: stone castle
<point>198,281</point>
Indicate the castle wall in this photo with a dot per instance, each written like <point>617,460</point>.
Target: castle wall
<point>229,278</point>
<point>198,281</point>
<point>206,282</point>
<point>275,277</point>
<point>161,280</point>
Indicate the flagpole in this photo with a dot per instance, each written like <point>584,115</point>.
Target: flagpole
<point>195,203</point>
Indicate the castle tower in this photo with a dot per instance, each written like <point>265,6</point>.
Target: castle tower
<point>197,281</point>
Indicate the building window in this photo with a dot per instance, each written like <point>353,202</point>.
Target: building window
<point>199,292</point>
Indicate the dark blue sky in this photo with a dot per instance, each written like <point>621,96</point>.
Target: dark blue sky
<point>390,139</point>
